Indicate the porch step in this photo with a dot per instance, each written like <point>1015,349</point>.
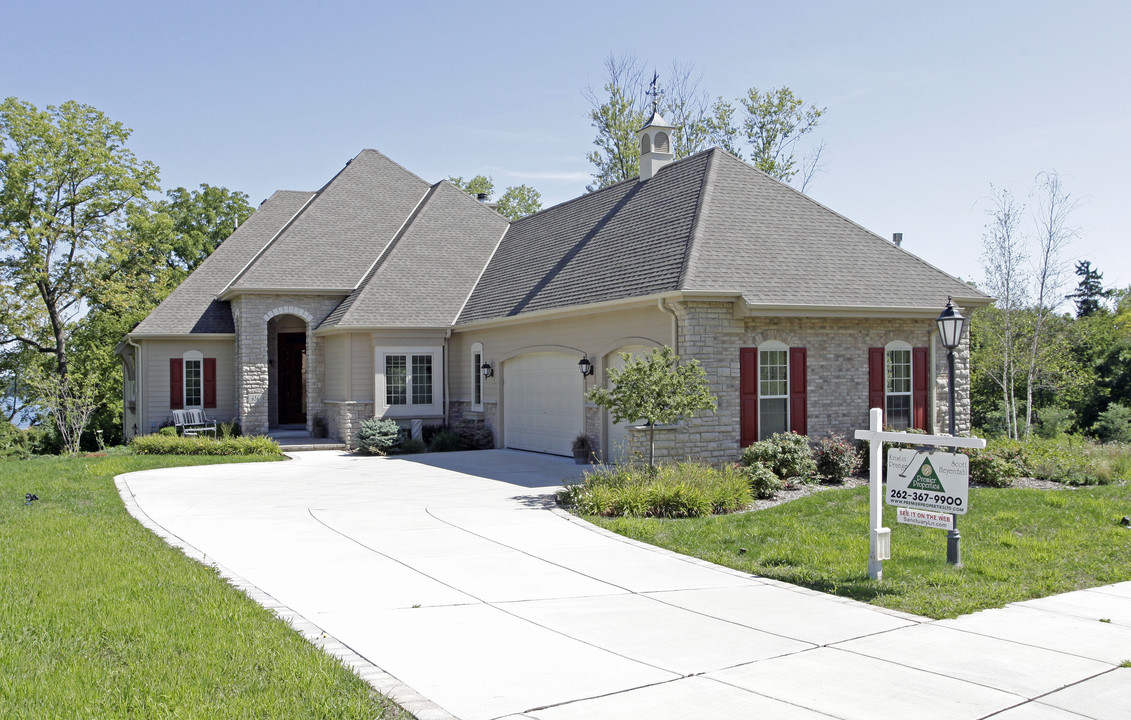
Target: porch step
<point>309,443</point>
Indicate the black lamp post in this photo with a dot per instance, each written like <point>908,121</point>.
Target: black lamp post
<point>951,326</point>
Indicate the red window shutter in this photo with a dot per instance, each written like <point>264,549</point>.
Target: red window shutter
<point>176,384</point>
<point>209,382</point>
<point>748,396</point>
<point>798,405</point>
<point>876,389</point>
<point>920,358</point>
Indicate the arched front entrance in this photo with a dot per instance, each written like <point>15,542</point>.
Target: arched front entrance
<point>286,370</point>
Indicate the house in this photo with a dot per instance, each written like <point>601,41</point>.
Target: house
<point>384,295</point>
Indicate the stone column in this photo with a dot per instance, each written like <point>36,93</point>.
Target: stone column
<point>251,363</point>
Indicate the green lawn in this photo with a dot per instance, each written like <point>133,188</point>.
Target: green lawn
<point>101,619</point>
<point>1017,544</point>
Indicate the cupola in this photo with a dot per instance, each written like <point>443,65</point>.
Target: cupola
<point>655,139</point>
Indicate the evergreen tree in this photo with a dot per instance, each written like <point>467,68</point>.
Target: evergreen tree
<point>1090,290</point>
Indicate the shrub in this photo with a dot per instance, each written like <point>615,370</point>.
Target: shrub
<point>671,491</point>
<point>446,441</point>
<point>990,469</point>
<point>427,432</point>
<point>1114,424</point>
<point>412,446</point>
<point>835,458</point>
<point>786,454</point>
<point>163,444</point>
<point>168,431</point>
<point>377,436</point>
<point>1054,421</point>
<point>229,429</point>
<point>762,481</point>
<point>475,435</point>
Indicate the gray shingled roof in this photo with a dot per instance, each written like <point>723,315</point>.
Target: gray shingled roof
<point>626,240</point>
<point>427,273</point>
<point>193,307</point>
<point>336,240</point>
<point>709,222</point>
<point>776,246</point>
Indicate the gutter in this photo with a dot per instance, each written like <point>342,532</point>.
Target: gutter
<point>675,324</point>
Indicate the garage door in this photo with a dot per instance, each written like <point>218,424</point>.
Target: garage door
<point>542,402</point>
<point>618,432</point>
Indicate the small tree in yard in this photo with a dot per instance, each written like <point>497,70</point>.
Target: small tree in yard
<point>655,388</point>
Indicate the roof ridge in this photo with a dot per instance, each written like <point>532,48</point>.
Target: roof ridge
<point>697,225</point>
<point>876,237</point>
<point>347,304</point>
<point>391,161</point>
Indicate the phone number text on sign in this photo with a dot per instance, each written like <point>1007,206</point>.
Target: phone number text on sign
<point>928,480</point>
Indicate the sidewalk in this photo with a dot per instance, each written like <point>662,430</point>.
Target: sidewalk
<point>453,585</point>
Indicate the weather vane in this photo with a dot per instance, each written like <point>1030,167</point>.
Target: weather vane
<point>655,93</point>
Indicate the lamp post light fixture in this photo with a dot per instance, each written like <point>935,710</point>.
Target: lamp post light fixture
<point>585,366</point>
<point>951,326</point>
<point>487,370</point>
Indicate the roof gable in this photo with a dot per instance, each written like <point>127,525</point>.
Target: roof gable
<point>429,269</point>
<point>192,307</point>
<point>336,239</point>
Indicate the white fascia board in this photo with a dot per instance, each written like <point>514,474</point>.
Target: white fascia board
<point>774,310</point>
<point>181,336</point>
<point>607,305</point>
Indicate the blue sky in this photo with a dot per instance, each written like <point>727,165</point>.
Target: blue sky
<point>928,104</point>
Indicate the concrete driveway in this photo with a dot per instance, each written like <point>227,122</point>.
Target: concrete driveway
<point>451,583</point>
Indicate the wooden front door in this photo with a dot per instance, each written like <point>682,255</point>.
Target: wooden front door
<point>292,378</point>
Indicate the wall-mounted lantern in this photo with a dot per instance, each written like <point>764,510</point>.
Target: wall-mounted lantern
<point>585,366</point>
<point>487,370</point>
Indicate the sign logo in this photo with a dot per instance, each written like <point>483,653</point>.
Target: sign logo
<point>926,478</point>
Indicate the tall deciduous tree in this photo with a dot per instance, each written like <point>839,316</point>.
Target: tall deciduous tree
<point>67,180</point>
<point>517,201</point>
<point>1004,267</point>
<point>655,388</point>
<point>773,123</point>
<point>1051,215</point>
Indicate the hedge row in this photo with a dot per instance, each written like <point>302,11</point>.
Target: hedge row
<point>175,445</point>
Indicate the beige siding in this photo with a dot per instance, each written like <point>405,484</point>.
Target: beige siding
<point>337,365</point>
<point>594,335</point>
<point>361,367</point>
<point>155,378</point>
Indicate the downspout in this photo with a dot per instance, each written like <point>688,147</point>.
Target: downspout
<point>933,400</point>
<point>675,323</point>
<point>138,384</point>
<point>447,373</point>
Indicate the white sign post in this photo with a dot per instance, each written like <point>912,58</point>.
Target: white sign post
<point>879,539</point>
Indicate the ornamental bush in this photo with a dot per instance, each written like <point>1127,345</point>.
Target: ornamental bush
<point>445,441</point>
<point>670,491</point>
<point>787,455</point>
<point>475,435</point>
<point>162,444</point>
<point>377,436</point>
<point>836,458</point>
<point>991,469</point>
<point>762,481</point>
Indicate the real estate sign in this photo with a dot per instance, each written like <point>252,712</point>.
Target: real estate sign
<point>928,480</point>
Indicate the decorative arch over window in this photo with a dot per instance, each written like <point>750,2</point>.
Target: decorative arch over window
<point>192,381</point>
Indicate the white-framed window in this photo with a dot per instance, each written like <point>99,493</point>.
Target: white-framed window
<point>477,377</point>
<point>193,383</point>
<point>408,381</point>
<point>773,389</point>
<point>897,385</point>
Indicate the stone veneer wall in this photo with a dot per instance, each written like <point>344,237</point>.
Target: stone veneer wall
<point>251,313</point>
<point>837,370</point>
<point>343,417</point>
<point>460,410</point>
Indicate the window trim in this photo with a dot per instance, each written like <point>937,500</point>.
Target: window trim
<point>477,377</point>
<point>900,346</point>
<point>410,408</point>
<point>197,357</point>
<point>773,346</point>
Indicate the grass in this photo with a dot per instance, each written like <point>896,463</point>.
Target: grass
<point>1017,544</point>
<point>101,619</point>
